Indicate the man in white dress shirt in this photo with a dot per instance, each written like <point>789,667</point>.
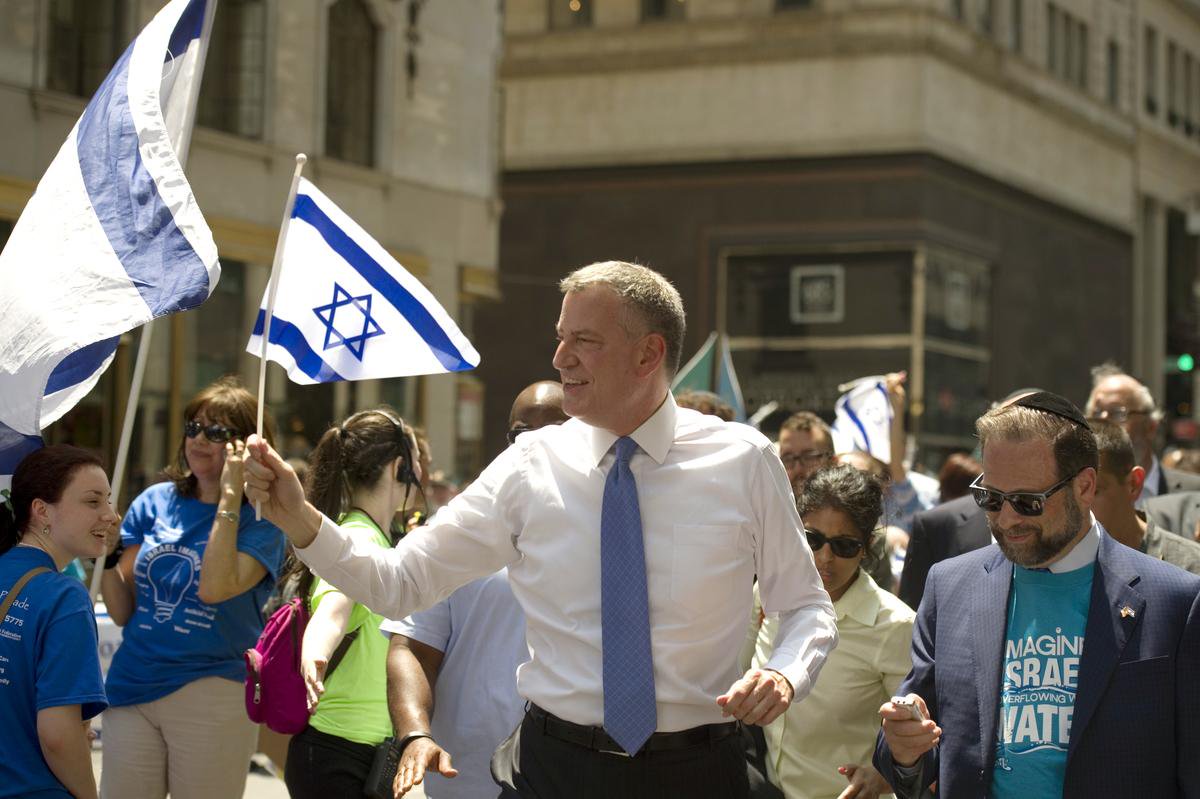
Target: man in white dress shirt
<point>691,509</point>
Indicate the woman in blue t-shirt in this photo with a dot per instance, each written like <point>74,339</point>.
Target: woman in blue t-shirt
<point>188,589</point>
<point>50,683</point>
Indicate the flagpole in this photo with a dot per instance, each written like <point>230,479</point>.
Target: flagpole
<point>139,369</point>
<point>272,288</point>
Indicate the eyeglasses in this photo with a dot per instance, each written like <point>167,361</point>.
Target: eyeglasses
<point>218,434</point>
<point>1026,503</point>
<point>806,458</point>
<point>514,432</point>
<point>1118,414</point>
<point>842,546</point>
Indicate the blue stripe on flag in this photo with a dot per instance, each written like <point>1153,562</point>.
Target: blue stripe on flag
<point>288,336</point>
<point>14,447</point>
<point>409,306</point>
<point>857,423</point>
<point>189,28</point>
<point>81,364</point>
<point>168,273</point>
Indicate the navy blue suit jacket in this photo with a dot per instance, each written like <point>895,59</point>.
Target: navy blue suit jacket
<point>1135,731</point>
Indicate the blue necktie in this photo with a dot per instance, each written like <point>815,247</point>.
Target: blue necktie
<point>630,714</point>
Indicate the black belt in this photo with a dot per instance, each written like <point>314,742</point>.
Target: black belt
<point>596,739</point>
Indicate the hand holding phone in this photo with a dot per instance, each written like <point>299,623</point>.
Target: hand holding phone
<point>909,706</point>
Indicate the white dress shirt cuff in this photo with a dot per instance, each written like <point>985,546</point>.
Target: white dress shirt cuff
<point>796,674</point>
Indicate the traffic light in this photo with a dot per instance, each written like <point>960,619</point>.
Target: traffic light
<point>1185,362</point>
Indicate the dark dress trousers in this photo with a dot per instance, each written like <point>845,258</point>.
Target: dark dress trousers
<point>1135,731</point>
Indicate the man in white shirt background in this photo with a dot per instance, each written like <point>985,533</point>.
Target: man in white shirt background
<point>452,668</point>
<point>632,535</point>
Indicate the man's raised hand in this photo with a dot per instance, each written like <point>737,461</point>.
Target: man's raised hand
<point>272,485</point>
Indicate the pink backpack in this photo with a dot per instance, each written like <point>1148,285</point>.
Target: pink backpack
<point>274,685</point>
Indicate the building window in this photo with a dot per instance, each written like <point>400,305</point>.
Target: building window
<point>570,14</point>
<point>1172,85</point>
<point>1188,110</point>
<point>1150,69</point>
<point>232,93</point>
<point>1080,76</point>
<point>1196,96</point>
<point>86,38</point>
<point>1017,25</point>
<point>216,331</point>
<point>350,81</point>
<point>987,17</point>
<point>663,9</point>
<point>1052,38</point>
<point>1113,73</point>
<point>1066,47</point>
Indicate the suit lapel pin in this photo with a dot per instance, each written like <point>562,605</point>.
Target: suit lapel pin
<point>1128,612</point>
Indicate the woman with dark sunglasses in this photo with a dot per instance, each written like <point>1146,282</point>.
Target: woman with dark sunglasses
<point>822,746</point>
<point>188,586</point>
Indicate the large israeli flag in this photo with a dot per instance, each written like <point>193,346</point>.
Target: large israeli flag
<point>347,310</point>
<point>863,420</point>
<point>112,237</point>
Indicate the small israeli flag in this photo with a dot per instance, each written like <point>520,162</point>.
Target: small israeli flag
<point>863,420</point>
<point>347,310</point>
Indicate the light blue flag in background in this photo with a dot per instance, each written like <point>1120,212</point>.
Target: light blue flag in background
<point>345,309</point>
<point>111,238</point>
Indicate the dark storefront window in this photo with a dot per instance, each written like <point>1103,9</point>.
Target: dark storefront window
<point>786,295</point>
<point>219,329</point>
<point>800,326</point>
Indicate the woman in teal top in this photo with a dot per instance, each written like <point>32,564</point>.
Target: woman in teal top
<point>361,472</point>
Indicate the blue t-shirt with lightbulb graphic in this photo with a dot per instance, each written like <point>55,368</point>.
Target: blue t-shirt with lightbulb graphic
<point>173,638</point>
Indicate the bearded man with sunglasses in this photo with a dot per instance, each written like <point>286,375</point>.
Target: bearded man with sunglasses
<point>1057,662</point>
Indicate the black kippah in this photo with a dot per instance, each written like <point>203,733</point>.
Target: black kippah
<point>1049,402</point>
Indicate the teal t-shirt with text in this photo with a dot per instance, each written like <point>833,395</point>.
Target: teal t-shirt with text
<point>1047,617</point>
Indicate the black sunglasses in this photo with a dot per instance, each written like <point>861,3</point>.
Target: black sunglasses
<point>1026,503</point>
<point>218,434</point>
<point>842,546</point>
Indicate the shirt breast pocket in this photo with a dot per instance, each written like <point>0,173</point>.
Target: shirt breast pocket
<point>707,563</point>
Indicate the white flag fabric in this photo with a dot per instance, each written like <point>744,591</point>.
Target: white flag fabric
<point>111,238</point>
<point>863,420</point>
<point>347,310</point>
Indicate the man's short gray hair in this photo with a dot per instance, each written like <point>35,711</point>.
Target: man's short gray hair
<point>654,305</point>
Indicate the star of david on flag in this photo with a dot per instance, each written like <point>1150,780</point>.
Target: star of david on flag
<point>345,309</point>
<point>333,337</point>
